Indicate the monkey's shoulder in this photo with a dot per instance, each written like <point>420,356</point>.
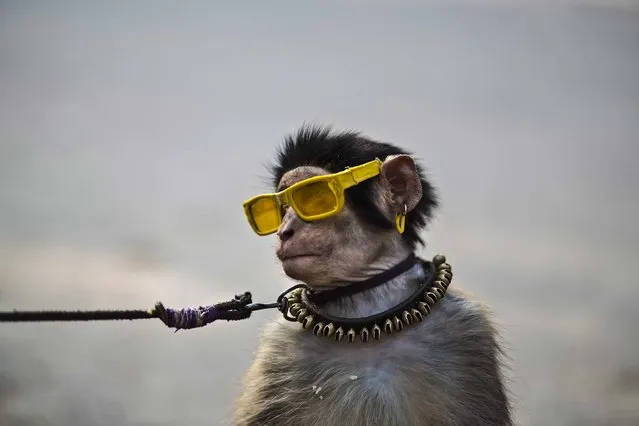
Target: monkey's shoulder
<point>458,316</point>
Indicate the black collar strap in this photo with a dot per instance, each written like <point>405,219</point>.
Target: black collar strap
<point>319,298</point>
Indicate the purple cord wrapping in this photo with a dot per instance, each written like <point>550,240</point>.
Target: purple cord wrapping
<point>238,308</point>
<point>190,317</point>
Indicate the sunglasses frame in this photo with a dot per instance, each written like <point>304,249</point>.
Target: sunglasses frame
<point>337,182</point>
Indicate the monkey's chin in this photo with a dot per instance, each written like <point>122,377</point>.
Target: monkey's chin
<point>300,268</point>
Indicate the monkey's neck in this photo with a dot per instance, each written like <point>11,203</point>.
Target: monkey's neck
<point>384,258</point>
<point>377,299</point>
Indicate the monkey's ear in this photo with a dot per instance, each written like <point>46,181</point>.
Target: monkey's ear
<point>401,182</point>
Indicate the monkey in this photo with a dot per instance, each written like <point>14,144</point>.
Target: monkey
<point>445,368</point>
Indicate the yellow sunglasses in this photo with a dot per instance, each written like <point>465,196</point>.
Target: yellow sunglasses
<point>312,199</point>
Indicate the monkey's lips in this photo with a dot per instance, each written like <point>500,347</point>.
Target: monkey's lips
<point>284,257</point>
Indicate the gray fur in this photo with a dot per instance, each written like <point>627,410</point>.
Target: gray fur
<point>443,371</point>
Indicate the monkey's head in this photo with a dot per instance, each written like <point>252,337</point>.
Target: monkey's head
<point>322,251</point>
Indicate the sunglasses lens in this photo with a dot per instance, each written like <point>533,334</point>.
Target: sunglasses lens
<point>315,199</point>
<point>265,215</point>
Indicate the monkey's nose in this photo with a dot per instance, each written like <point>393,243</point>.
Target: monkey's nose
<point>285,233</point>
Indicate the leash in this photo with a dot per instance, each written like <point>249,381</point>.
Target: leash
<point>241,307</point>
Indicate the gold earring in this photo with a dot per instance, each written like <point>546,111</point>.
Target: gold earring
<point>400,220</point>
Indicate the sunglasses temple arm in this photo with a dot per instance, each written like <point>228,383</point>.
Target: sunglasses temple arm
<point>364,172</point>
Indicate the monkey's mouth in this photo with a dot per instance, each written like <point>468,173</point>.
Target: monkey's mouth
<point>286,257</point>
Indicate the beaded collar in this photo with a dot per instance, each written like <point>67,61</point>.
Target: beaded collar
<point>298,301</point>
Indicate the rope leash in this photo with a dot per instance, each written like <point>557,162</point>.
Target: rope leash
<point>241,307</point>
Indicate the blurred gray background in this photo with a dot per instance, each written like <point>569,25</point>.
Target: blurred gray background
<point>131,132</point>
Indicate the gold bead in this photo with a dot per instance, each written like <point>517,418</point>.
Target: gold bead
<point>440,282</point>
<point>423,308</point>
<point>443,277</point>
<point>417,315</point>
<point>317,330</point>
<point>308,322</point>
<point>295,309</point>
<point>444,266</point>
<point>377,332</point>
<point>388,326</point>
<point>430,298</point>
<point>329,330</point>
<point>351,335</point>
<point>440,285</point>
<point>439,259</point>
<point>364,334</point>
<point>339,334</point>
<point>397,323</point>
<point>438,291</point>
<point>407,318</point>
<point>303,313</point>
<point>446,275</point>
<point>294,297</point>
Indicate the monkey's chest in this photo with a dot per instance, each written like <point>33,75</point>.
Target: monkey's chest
<point>332,389</point>
<point>342,372</point>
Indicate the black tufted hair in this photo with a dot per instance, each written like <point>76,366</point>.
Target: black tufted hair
<point>321,147</point>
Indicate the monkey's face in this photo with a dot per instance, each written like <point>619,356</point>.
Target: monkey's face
<point>342,248</point>
<point>337,249</point>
